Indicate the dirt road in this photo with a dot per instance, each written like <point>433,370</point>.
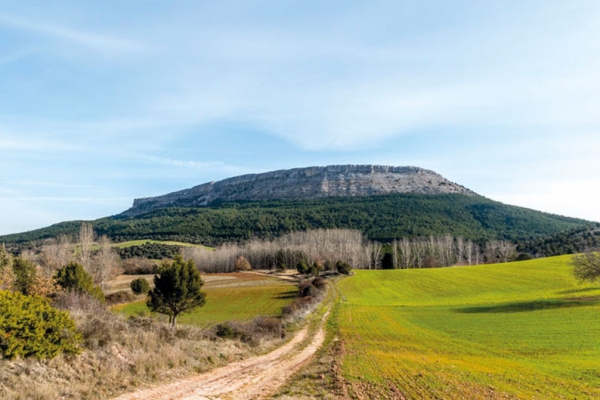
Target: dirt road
<point>254,378</point>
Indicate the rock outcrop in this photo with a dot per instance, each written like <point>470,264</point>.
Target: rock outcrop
<point>307,183</point>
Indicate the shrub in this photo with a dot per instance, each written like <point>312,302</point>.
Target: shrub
<point>140,286</point>
<point>139,266</point>
<point>242,264</point>
<point>524,257</point>
<point>24,273</point>
<point>302,267</point>
<point>224,331</point>
<point>120,297</point>
<point>29,326</point>
<point>281,267</point>
<point>343,267</point>
<point>73,278</point>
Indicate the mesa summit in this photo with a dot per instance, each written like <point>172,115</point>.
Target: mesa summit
<point>306,183</point>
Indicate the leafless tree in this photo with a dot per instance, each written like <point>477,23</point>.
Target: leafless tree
<point>55,254</point>
<point>104,265</point>
<point>468,251</point>
<point>460,250</point>
<point>86,242</point>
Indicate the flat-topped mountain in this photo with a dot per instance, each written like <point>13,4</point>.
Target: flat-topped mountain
<point>307,183</point>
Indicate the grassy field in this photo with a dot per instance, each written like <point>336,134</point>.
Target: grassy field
<point>232,297</point>
<point>518,330</point>
<point>140,242</point>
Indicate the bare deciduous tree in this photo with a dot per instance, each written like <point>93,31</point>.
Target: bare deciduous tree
<point>86,241</point>
<point>104,265</point>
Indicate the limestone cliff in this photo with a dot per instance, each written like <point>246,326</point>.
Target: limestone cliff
<point>307,183</point>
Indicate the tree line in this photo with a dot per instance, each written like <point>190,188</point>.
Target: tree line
<point>326,248</point>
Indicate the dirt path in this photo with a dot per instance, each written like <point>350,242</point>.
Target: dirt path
<point>254,378</point>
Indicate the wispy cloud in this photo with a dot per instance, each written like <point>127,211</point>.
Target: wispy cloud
<point>197,165</point>
<point>107,44</point>
<point>36,144</point>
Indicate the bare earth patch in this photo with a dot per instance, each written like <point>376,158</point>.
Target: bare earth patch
<point>254,378</point>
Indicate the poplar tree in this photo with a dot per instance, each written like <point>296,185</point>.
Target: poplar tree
<point>176,289</point>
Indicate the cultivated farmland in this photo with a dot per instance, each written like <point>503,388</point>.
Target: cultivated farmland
<point>518,330</point>
<point>232,297</point>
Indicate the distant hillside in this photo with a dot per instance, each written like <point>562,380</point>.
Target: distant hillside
<point>577,240</point>
<point>306,183</point>
<point>382,218</point>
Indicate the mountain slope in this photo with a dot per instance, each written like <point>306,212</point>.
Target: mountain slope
<point>382,218</point>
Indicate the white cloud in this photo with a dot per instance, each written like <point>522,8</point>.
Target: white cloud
<point>101,43</point>
<point>197,165</point>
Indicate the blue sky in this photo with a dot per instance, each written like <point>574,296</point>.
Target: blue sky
<point>102,103</point>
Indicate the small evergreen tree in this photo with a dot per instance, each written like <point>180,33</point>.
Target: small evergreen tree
<point>176,289</point>
<point>73,278</point>
<point>281,267</point>
<point>140,286</point>
<point>302,267</point>
<point>4,258</point>
<point>24,274</point>
<point>343,267</point>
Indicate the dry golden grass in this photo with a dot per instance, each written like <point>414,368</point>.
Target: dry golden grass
<point>121,355</point>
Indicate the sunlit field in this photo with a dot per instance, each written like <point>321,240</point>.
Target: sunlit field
<point>518,330</point>
<point>232,297</point>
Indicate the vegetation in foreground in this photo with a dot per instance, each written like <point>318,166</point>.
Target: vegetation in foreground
<point>520,330</point>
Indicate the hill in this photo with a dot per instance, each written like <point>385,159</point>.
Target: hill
<point>383,218</point>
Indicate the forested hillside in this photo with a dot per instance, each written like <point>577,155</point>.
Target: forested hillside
<point>576,240</point>
<point>382,218</point>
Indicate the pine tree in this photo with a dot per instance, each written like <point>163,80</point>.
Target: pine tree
<point>73,278</point>
<point>24,273</point>
<point>176,289</point>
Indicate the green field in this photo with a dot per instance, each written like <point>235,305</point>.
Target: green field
<point>232,297</point>
<point>518,330</point>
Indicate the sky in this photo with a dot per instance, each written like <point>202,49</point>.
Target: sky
<point>104,102</point>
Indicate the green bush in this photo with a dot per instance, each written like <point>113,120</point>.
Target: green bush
<point>343,267</point>
<point>73,278</point>
<point>24,275</point>
<point>301,267</point>
<point>225,331</point>
<point>29,326</point>
<point>140,286</point>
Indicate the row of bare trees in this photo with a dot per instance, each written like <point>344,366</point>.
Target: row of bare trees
<point>324,246</point>
<point>96,255</point>
<point>446,251</point>
<point>332,245</point>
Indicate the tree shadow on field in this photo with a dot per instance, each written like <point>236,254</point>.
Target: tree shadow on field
<point>534,305</point>
<point>572,291</point>
<point>292,294</point>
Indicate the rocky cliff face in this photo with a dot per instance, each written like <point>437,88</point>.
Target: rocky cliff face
<point>307,183</point>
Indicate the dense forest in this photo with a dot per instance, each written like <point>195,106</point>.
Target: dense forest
<point>381,218</point>
<point>152,251</point>
<point>576,240</point>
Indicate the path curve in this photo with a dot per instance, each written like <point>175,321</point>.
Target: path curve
<point>254,378</point>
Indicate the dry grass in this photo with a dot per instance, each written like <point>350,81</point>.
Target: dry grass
<point>122,355</point>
